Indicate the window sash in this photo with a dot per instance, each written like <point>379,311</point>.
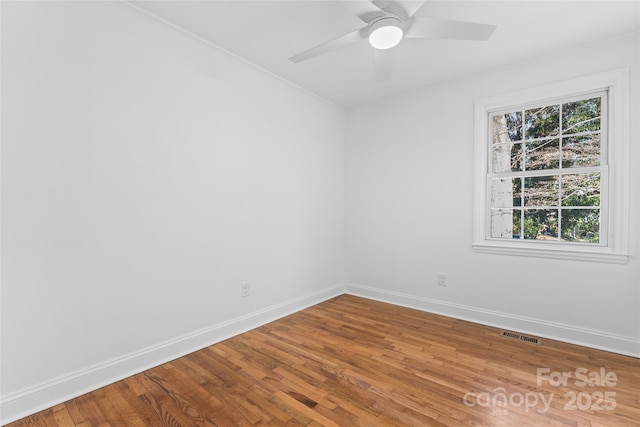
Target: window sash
<point>604,202</point>
<point>561,136</point>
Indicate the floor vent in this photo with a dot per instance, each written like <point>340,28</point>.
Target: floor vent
<point>517,336</point>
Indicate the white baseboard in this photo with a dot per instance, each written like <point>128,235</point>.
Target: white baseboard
<point>627,346</point>
<point>26,402</point>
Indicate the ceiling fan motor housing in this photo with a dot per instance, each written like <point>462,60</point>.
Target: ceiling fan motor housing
<point>385,32</point>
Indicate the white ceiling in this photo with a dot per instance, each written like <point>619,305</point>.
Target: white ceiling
<point>266,33</point>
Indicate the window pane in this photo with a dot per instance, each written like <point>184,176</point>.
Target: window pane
<point>541,224</point>
<point>517,191</point>
<point>581,189</point>
<point>501,193</point>
<point>581,225</point>
<point>507,157</point>
<point>506,192</point>
<point>541,122</point>
<point>506,223</point>
<point>581,116</point>
<point>517,224</point>
<point>581,151</point>
<point>500,131</point>
<point>514,125</point>
<point>507,127</point>
<point>502,223</point>
<point>541,191</point>
<point>544,154</point>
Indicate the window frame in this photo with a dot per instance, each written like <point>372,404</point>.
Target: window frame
<point>615,186</point>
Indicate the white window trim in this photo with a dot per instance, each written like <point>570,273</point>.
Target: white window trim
<point>616,82</point>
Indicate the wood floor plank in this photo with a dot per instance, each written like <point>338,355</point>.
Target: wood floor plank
<point>61,415</point>
<point>350,361</point>
<point>132,411</point>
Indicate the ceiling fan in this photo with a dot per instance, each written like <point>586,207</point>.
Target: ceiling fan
<point>388,22</point>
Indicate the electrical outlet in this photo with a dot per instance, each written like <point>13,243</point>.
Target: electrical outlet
<point>442,279</point>
<point>246,289</point>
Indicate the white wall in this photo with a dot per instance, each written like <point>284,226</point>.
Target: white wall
<point>145,175</point>
<point>409,213</point>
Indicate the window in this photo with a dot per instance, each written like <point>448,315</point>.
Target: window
<point>546,167</point>
<point>551,170</point>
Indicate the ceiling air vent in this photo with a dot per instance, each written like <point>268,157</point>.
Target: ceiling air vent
<point>520,337</point>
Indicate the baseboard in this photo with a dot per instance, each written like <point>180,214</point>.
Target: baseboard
<point>627,346</point>
<point>26,402</point>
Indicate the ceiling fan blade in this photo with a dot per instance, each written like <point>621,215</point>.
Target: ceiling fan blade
<point>384,63</point>
<point>347,39</point>
<point>381,4</point>
<point>363,9</point>
<point>397,8</point>
<point>436,28</point>
<point>413,7</point>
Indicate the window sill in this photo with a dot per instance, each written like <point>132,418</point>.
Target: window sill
<point>587,254</point>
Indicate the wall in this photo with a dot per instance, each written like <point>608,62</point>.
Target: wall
<point>409,213</point>
<point>145,175</point>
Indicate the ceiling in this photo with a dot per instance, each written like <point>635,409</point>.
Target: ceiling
<point>266,33</point>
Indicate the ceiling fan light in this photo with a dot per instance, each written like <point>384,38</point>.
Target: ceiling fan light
<point>385,33</point>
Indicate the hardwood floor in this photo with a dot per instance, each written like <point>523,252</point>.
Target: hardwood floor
<point>351,361</point>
